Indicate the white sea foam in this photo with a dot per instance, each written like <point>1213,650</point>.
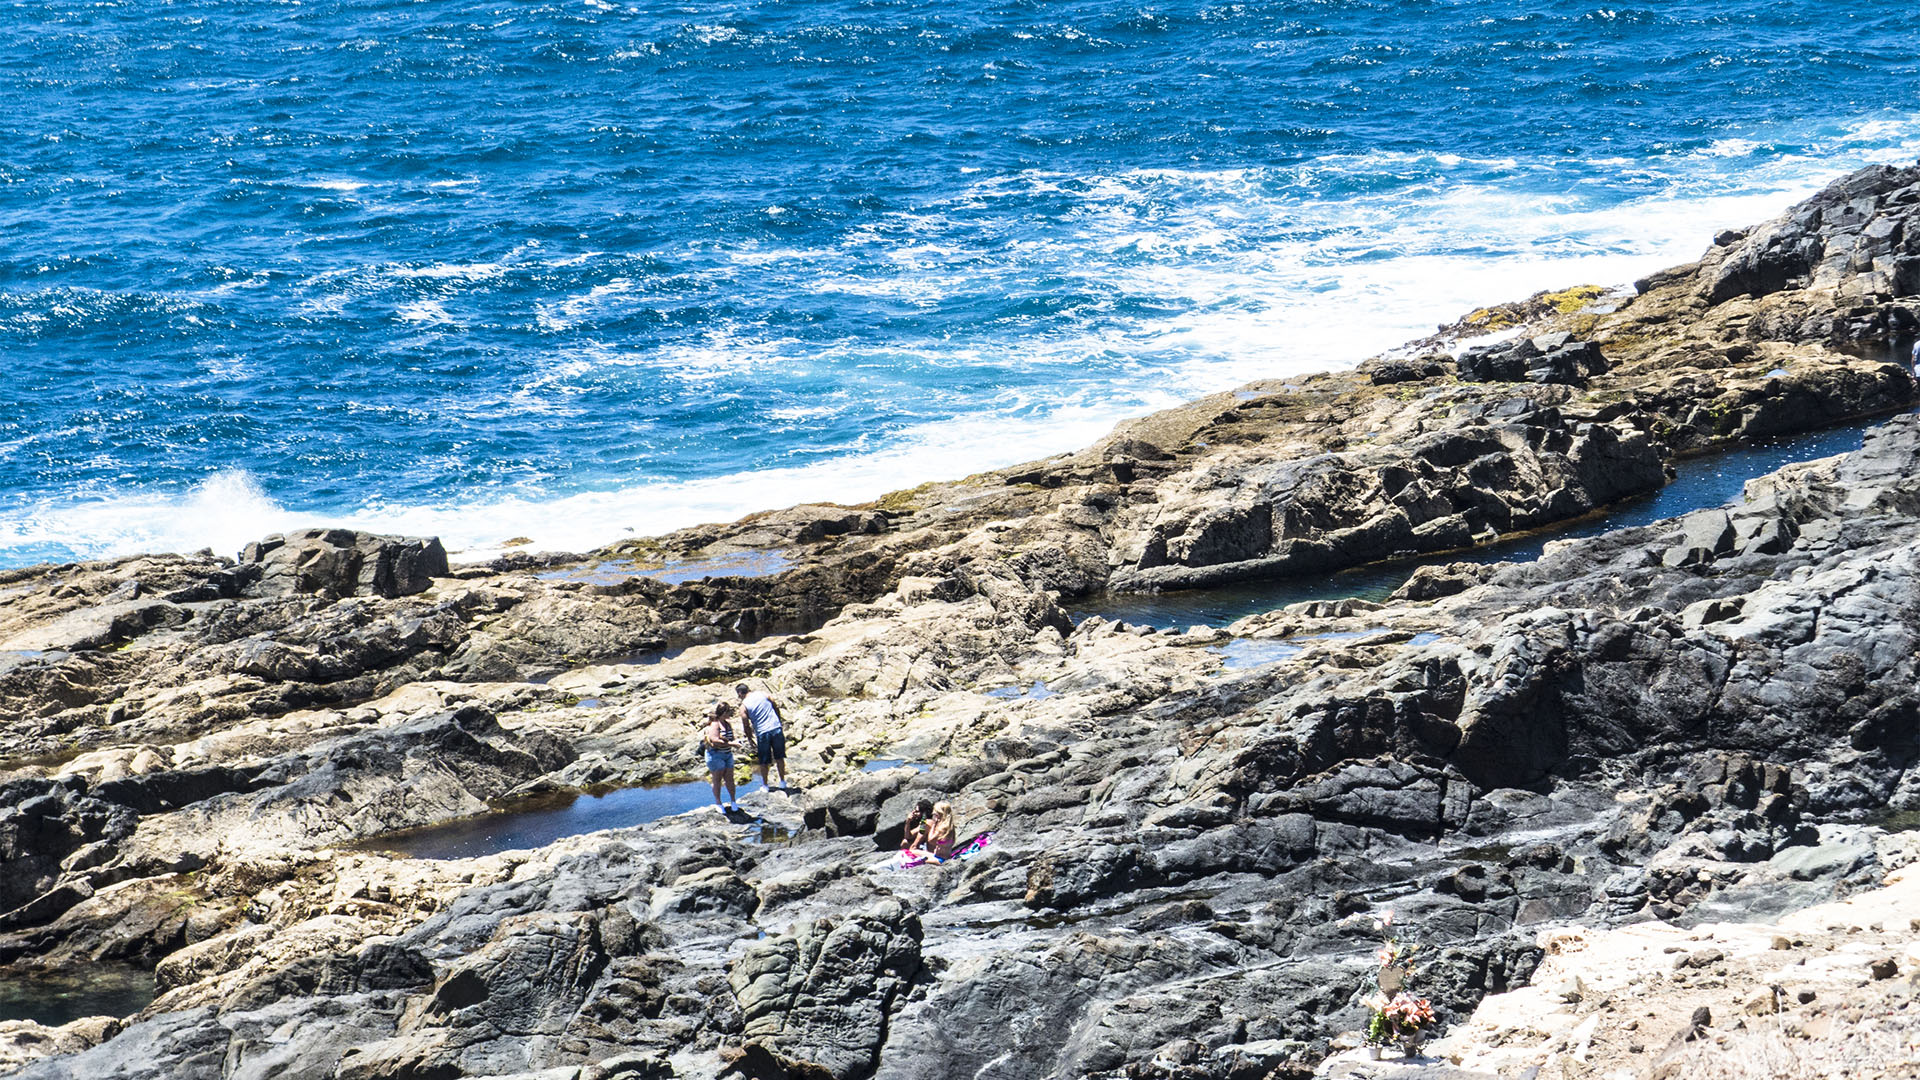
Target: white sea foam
<point>223,512</point>
<point>801,412</point>
<point>461,271</point>
<point>567,313</point>
<point>1257,279</point>
<point>583,521</point>
<point>228,510</point>
<point>759,256</point>
<point>424,312</point>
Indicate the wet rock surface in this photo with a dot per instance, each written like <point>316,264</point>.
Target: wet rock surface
<point>1699,718</point>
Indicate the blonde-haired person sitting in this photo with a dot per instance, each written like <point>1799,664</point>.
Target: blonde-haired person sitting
<point>939,838</point>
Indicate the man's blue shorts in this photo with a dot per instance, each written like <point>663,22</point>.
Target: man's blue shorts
<point>719,760</point>
<point>770,745</point>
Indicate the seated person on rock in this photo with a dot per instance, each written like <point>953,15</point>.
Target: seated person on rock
<point>915,835</point>
<point>937,844</point>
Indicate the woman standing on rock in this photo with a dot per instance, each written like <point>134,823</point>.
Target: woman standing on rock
<point>717,741</point>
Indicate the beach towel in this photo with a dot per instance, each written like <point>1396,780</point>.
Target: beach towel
<point>907,861</point>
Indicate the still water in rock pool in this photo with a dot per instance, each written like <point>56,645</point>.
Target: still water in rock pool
<point>1239,653</point>
<point>1711,480</point>
<point>1256,652</point>
<point>539,821</point>
<point>60,998</point>
<point>738,564</point>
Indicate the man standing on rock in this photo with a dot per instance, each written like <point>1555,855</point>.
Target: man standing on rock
<point>769,733</point>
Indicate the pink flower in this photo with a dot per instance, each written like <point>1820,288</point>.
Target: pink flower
<point>1408,1012</point>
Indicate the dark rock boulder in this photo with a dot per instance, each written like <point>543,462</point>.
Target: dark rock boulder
<point>378,966</point>
<point>1836,228</point>
<point>190,1043</point>
<point>1704,536</point>
<point>1548,358</point>
<point>340,562</point>
<point>855,809</point>
<point>1386,372</point>
<point>1431,581</point>
<point>1270,846</point>
<point>819,1001</point>
<point>1437,491</point>
<point>153,793</point>
<point>1390,794</point>
<point>46,828</point>
<point>1068,877</point>
<point>428,768</point>
<point>1842,267</point>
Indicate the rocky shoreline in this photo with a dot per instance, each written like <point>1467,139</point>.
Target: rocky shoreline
<point>1706,718</point>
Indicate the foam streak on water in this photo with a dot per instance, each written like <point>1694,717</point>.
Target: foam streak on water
<point>574,271</point>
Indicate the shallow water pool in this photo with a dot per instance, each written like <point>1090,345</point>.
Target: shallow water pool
<point>1706,481</point>
<point>883,764</point>
<point>56,998</point>
<point>540,820</point>
<point>739,564</point>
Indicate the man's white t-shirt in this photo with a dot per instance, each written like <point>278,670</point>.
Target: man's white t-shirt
<point>761,713</point>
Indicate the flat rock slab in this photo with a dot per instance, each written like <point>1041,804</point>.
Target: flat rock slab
<point>1356,1065</point>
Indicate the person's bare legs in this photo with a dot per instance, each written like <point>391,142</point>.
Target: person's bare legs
<point>779,763</point>
<point>715,778</point>
<point>732,797</point>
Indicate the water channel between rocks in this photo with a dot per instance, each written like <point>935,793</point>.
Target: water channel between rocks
<point>1706,481</point>
<point>739,564</point>
<point>539,820</point>
<point>60,998</point>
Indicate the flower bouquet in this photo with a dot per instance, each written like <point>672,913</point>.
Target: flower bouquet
<point>1395,1014</point>
<point>1401,1018</point>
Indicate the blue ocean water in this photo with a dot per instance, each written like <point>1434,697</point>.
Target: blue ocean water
<point>570,271</point>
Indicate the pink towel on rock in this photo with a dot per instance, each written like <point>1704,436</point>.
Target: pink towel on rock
<point>907,861</point>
